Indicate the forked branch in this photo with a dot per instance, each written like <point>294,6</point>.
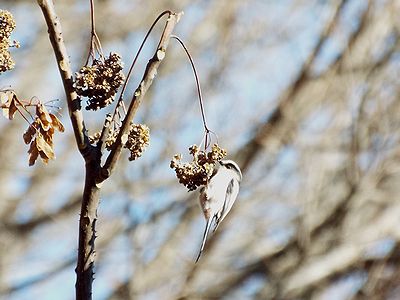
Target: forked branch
<point>94,173</point>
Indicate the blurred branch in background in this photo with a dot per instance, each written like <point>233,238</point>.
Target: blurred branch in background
<point>304,94</point>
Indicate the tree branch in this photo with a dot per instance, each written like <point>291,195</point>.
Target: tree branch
<point>87,233</point>
<point>92,155</point>
<point>64,66</point>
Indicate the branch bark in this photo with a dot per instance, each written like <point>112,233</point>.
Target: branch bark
<point>87,233</point>
<point>64,66</point>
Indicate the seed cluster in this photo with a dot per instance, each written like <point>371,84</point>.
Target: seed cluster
<point>138,140</point>
<point>112,136</point>
<point>100,81</point>
<point>197,172</point>
<point>95,137</point>
<point>7,25</point>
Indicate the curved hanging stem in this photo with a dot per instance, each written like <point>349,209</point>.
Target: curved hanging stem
<point>140,50</point>
<point>120,102</point>
<point>206,139</point>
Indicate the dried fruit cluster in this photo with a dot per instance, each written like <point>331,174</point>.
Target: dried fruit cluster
<point>109,142</point>
<point>100,81</point>
<point>136,141</point>
<point>95,137</point>
<point>197,172</point>
<point>40,135</point>
<point>7,25</point>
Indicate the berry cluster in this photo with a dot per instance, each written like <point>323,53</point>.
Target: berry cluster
<point>138,140</point>
<point>197,172</point>
<point>112,136</point>
<point>94,138</point>
<point>100,81</point>
<point>7,25</point>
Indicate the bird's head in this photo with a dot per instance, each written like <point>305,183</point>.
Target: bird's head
<point>231,165</point>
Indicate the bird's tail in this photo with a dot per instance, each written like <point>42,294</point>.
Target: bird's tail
<point>208,226</point>
<point>216,225</point>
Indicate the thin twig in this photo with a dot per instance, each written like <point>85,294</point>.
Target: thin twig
<point>145,83</point>
<point>95,44</point>
<point>120,102</point>
<point>26,110</point>
<point>128,76</point>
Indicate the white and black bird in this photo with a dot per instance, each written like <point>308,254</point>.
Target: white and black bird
<point>218,196</point>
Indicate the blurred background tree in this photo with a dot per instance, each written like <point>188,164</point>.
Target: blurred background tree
<point>304,94</point>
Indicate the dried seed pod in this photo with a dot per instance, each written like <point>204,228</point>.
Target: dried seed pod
<point>197,172</point>
<point>7,25</point>
<point>112,137</point>
<point>40,135</point>
<point>138,140</point>
<point>94,138</point>
<point>6,61</point>
<point>100,81</point>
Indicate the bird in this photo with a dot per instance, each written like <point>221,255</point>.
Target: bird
<point>218,195</point>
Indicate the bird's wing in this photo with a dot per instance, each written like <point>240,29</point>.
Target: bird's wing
<point>230,196</point>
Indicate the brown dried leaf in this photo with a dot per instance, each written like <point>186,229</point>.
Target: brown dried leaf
<point>44,116</point>
<point>57,123</point>
<point>48,136</point>
<point>43,146</point>
<point>3,97</point>
<point>33,153</point>
<point>6,98</point>
<point>28,134</point>
<point>44,157</point>
<point>12,108</point>
<point>10,95</point>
